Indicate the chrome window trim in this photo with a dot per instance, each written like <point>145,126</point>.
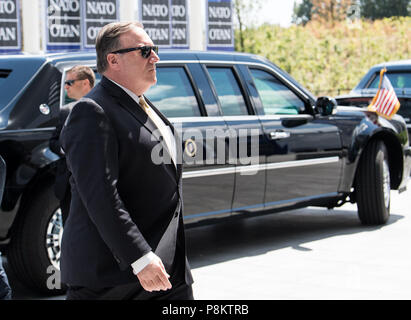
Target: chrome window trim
<point>257,167</point>
<point>91,63</point>
<point>256,64</point>
<point>238,118</point>
<point>285,116</point>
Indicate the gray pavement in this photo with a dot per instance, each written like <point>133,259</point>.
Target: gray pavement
<point>311,253</point>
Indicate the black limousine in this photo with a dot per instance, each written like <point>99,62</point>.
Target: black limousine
<point>254,141</point>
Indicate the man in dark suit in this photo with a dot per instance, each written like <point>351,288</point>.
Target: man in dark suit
<point>79,81</point>
<point>124,237</point>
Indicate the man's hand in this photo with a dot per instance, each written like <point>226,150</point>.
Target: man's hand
<point>154,276</point>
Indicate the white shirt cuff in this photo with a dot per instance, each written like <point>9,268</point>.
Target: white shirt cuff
<point>141,263</point>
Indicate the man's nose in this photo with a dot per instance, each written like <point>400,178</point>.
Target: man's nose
<point>154,58</point>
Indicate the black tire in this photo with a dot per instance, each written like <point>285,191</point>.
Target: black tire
<point>373,185</point>
<point>28,253</point>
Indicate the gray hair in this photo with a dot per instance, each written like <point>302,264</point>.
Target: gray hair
<point>108,40</point>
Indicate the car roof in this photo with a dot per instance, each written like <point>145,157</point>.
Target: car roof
<point>60,58</point>
<point>167,54</point>
<point>394,64</point>
<point>64,59</point>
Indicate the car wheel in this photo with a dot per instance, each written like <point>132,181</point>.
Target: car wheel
<point>373,185</point>
<point>34,253</point>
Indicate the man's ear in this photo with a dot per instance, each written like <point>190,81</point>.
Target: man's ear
<point>87,84</point>
<point>112,60</point>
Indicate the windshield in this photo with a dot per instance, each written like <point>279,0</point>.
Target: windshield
<point>399,80</point>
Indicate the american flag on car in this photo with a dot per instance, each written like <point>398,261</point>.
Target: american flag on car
<point>385,103</point>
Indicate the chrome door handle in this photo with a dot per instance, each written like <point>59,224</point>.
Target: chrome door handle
<point>277,135</point>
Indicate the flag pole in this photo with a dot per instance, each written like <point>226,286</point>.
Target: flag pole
<point>371,105</point>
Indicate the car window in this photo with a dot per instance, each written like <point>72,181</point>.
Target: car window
<point>276,97</point>
<point>228,91</point>
<point>173,94</point>
<point>399,80</point>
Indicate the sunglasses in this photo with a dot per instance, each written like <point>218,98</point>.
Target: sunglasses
<point>145,50</point>
<point>70,82</point>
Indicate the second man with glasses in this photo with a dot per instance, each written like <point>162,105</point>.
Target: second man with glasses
<point>79,81</point>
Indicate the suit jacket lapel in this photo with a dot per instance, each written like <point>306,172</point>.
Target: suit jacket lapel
<point>130,105</point>
<point>135,110</point>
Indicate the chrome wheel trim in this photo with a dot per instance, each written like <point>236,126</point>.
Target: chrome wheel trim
<point>386,183</point>
<point>54,234</point>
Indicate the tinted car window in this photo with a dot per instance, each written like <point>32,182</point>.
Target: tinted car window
<point>276,97</point>
<point>228,91</point>
<point>398,80</point>
<point>173,94</point>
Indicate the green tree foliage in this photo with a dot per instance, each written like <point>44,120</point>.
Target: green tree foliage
<point>378,9</point>
<point>325,11</point>
<point>302,12</point>
<point>242,11</point>
<point>332,10</point>
<point>331,60</point>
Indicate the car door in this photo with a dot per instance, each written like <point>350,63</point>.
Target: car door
<point>207,182</point>
<point>245,136</point>
<point>303,150</point>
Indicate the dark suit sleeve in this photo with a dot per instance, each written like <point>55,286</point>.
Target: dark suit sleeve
<point>91,149</point>
<point>54,143</point>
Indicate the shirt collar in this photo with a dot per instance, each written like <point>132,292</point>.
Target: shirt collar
<point>135,97</point>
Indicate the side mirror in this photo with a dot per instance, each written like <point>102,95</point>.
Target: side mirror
<point>325,105</point>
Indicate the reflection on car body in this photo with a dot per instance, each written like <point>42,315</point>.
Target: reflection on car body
<point>253,141</point>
